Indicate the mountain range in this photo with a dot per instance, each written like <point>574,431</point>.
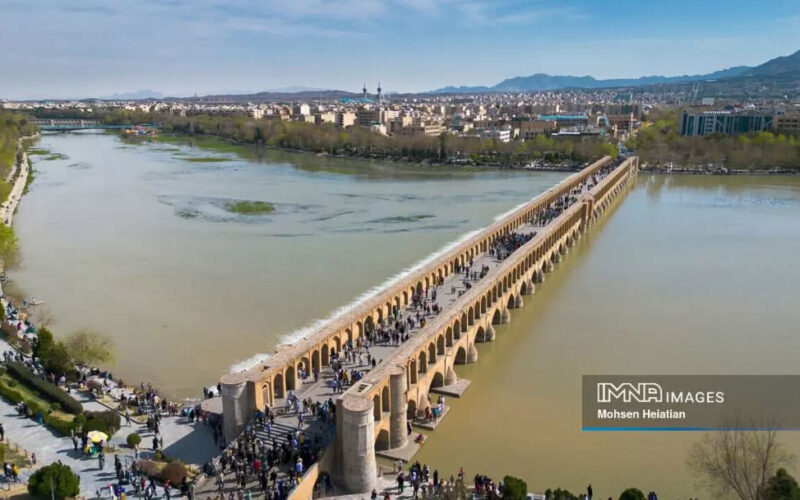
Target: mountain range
<point>786,66</point>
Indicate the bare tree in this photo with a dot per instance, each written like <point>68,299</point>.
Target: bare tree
<point>733,463</point>
<point>41,316</point>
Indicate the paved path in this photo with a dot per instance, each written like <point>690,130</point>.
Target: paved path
<point>9,206</point>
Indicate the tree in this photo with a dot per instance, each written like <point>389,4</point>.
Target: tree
<point>55,478</point>
<point>782,486</point>
<point>559,494</point>
<point>632,494</point>
<point>735,463</point>
<point>52,354</point>
<point>514,488</point>
<point>89,348</point>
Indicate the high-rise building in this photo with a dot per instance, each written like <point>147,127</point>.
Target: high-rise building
<point>724,122</point>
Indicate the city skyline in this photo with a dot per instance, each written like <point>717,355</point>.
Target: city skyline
<point>179,48</point>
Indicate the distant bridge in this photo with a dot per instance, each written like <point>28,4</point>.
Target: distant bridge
<point>65,124</point>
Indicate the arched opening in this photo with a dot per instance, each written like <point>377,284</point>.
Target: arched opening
<point>431,354</point>
<point>438,380</point>
<point>413,373</point>
<point>376,407</point>
<point>360,328</point>
<point>470,316</point>
<point>405,298</point>
<point>382,441</point>
<point>422,361</point>
<point>369,325</point>
<point>385,398</point>
<point>457,330</point>
<point>277,386</point>
<point>448,337</point>
<point>480,336</point>
<point>326,360</point>
<point>483,305</point>
<point>419,288</point>
<point>440,345</point>
<point>290,386</point>
<point>315,362</point>
<point>461,356</point>
<point>305,364</point>
<point>496,317</point>
<point>463,322</point>
<point>411,412</point>
<point>523,289</point>
<point>510,303</point>
<point>338,343</point>
<point>350,336</point>
<point>266,394</point>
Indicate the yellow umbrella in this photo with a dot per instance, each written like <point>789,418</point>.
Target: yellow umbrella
<point>97,436</point>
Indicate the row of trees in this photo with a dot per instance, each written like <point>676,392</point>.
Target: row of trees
<point>12,127</point>
<point>660,142</point>
<point>359,141</point>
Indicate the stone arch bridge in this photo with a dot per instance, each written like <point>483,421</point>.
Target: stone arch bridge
<point>373,413</point>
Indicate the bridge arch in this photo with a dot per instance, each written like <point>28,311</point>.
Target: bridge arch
<point>290,378</point>
<point>437,380</point>
<point>422,361</point>
<point>411,412</point>
<point>457,329</point>
<point>277,385</point>
<point>376,408</point>
<point>448,336</point>
<point>315,367</point>
<point>461,356</point>
<point>385,401</point>
<point>431,353</point>
<point>326,360</point>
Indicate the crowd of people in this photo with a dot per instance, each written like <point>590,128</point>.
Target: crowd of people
<point>275,460</point>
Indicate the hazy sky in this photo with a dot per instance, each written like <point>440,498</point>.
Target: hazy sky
<point>80,48</point>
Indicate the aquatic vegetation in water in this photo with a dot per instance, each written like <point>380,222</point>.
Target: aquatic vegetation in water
<point>248,207</point>
<point>207,159</point>
<point>402,219</point>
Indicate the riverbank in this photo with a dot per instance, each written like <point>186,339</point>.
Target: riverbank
<point>9,206</point>
<point>564,165</point>
<point>715,170</point>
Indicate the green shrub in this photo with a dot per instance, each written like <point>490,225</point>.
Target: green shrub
<point>632,494</point>
<point>59,477</point>
<point>559,494</point>
<point>45,388</point>
<point>514,488</point>
<point>12,383</point>
<point>12,395</point>
<point>105,421</point>
<point>133,439</point>
<point>61,426</point>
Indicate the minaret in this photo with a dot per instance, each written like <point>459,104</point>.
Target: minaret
<point>380,105</point>
<point>364,90</point>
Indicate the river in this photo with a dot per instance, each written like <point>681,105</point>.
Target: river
<point>685,275</point>
<point>134,241</point>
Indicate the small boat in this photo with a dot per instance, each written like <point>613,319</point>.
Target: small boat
<point>33,301</point>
